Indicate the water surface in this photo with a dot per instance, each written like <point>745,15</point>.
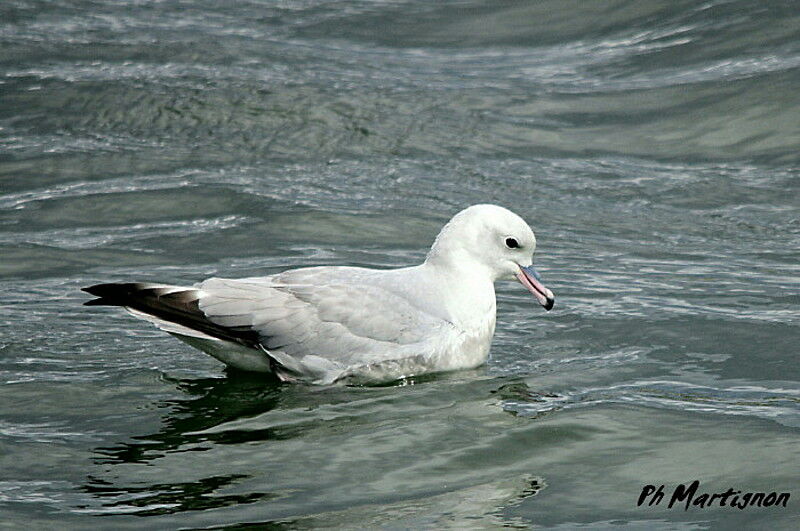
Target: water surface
<point>652,146</point>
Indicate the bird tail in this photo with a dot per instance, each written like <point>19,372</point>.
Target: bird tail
<point>174,309</point>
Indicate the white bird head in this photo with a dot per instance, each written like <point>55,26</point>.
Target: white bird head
<point>493,240</point>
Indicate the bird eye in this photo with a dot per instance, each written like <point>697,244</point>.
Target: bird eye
<point>511,243</point>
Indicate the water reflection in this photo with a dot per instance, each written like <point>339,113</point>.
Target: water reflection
<point>396,453</point>
<point>168,498</point>
<point>211,401</point>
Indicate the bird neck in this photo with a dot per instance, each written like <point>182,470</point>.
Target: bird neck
<point>467,290</point>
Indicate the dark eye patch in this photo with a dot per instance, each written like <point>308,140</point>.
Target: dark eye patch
<point>511,243</point>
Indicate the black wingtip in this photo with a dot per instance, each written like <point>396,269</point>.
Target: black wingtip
<point>88,290</point>
<point>110,294</point>
<point>104,290</point>
<point>164,302</point>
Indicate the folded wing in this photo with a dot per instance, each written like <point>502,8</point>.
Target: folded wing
<point>312,324</point>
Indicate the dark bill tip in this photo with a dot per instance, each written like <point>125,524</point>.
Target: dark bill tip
<point>531,279</point>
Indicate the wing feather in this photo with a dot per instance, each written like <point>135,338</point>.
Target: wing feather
<point>316,323</point>
<point>310,314</point>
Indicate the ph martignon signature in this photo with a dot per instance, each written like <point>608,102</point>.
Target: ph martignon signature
<point>730,498</point>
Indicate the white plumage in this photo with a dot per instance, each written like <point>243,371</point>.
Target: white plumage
<point>347,324</point>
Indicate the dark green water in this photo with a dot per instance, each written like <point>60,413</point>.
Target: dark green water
<point>653,146</point>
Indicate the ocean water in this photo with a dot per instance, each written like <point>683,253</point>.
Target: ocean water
<point>653,146</point>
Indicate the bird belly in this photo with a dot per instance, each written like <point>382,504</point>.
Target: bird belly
<point>231,354</point>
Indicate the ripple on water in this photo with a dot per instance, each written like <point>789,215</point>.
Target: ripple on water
<point>652,145</point>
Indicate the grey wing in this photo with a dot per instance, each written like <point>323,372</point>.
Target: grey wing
<point>321,330</point>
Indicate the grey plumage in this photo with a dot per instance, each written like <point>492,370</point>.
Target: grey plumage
<point>165,302</point>
<point>337,324</point>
